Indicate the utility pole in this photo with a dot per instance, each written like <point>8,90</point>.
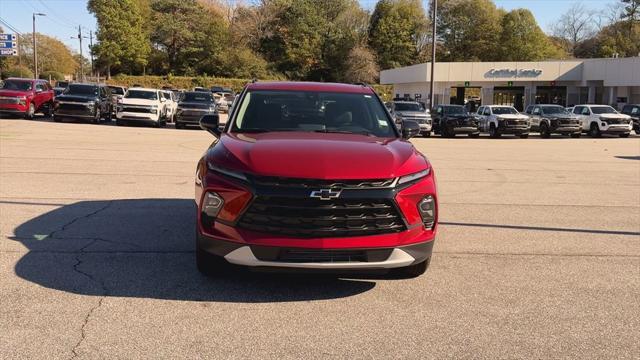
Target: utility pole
<point>35,49</point>
<point>81,58</point>
<point>433,52</point>
<point>91,49</point>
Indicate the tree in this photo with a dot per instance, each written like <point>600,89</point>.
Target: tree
<point>53,55</point>
<point>121,34</point>
<point>396,31</point>
<point>361,66</point>
<point>575,26</point>
<point>470,30</point>
<point>522,39</point>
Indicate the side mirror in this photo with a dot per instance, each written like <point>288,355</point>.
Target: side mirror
<point>211,123</point>
<point>410,129</point>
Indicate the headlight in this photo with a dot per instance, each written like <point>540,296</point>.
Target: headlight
<point>427,210</point>
<point>212,204</point>
<point>226,172</point>
<point>153,110</point>
<point>415,176</point>
<point>499,118</point>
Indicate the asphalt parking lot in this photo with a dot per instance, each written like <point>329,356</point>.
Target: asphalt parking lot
<point>538,256</point>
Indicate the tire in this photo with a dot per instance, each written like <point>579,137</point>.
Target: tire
<point>107,117</point>
<point>624,135</point>
<point>30,112</point>
<point>179,125</point>
<point>594,131</point>
<point>475,136</point>
<point>211,265</point>
<point>57,118</point>
<point>493,132</point>
<point>411,271</point>
<point>524,136</point>
<point>96,119</point>
<point>544,131</point>
<point>120,122</point>
<point>575,136</point>
<point>49,110</point>
<point>426,134</point>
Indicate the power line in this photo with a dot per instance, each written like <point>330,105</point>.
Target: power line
<point>9,26</point>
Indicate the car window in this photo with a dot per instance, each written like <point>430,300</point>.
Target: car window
<point>480,110</point>
<point>577,110</point>
<point>265,110</point>
<point>408,107</point>
<point>40,87</point>
<point>20,85</point>
<point>585,111</point>
<point>116,90</point>
<point>553,110</point>
<point>529,109</point>
<point>635,110</point>
<point>603,110</point>
<point>197,97</point>
<point>141,94</point>
<point>487,111</point>
<point>502,110</point>
<point>81,89</point>
<point>536,111</point>
<point>454,110</point>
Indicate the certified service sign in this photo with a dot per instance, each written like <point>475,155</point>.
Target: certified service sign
<point>513,73</point>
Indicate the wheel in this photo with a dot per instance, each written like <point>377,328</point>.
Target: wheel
<point>57,118</point>
<point>96,119</point>
<point>48,112</point>
<point>107,116</point>
<point>575,136</point>
<point>544,131</point>
<point>493,132</point>
<point>626,135</point>
<point>29,114</point>
<point>411,271</point>
<point>474,135</point>
<point>120,122</point>
<point>426,134</point>
<point>524,136</point>
<point>179,125</point>
<point>211,265</point>
<point>594,130</point>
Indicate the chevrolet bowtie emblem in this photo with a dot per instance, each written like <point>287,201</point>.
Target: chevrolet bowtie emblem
<point>325,194</point>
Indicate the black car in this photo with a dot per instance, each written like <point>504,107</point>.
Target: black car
<point>550,119</point>
<point>192,106</point>
<point>449,120</point>
<point>83,101</point>
<point>633,110</point>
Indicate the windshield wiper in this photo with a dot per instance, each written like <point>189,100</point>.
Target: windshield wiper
<point>364,132</point>
<point>260,130</point>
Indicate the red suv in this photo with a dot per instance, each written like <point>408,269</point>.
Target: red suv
<point>26,97</point>
<point>313,176</point>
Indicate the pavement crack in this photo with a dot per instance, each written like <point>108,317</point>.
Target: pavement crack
<point>74,220</point>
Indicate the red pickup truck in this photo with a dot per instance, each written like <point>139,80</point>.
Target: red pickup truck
<point>26,97</point>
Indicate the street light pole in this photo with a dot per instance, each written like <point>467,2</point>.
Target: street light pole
<point>81,57</point>
<point>433,52</point>
<point>35,49</point>
<point>91,49</point>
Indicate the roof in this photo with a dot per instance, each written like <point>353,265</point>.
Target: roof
<point>310,86</point>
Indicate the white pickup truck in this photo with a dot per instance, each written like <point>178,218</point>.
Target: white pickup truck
<point>141,104</point>
<point>603,119</point>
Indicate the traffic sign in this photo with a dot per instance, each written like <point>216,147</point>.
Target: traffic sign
<point>7,37</point>
<point>8,45</point>
<point>8,52</point>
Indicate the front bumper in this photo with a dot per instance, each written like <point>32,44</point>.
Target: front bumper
<point>615,129</point>
<point>513,129</point>
<point>14,108</point>
<point>425,127</point>
<point>137,116</point>
<point>257,256</point>
<point>464,129</point>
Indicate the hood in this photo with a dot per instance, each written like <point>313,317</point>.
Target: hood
<point>458,116</point>
<point>513,117</point>
<point>14,93</point>
<point>196,105</point>
<point>316,155</point>
<point>412,113</point>
<point>563,117</point>
<point>130,101</point>
<point>76,98</point>
<point>615,116</point>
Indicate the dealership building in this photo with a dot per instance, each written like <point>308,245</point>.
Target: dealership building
<point>613,81</point>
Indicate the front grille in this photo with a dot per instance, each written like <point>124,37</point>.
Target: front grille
<point>272,181</point>
<point>312,255</point>
<point>569,122</point>
<point>136,109</point>
<point>314,218</point>
<point>516,122</point>
<point>419,120</point>
<point>5,101</point>
<point>72,107</point>
<point>615,121</point>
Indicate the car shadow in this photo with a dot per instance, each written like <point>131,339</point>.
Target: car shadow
<point>143,248</point>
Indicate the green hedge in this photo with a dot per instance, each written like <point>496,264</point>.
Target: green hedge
<point>187,82</point>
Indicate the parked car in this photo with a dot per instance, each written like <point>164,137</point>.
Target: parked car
<point>84,101</point>
<point>170,104</point>
<point>569,109</point>
<point>60,87</point>
<point>216,89</point>
<point>500,119</point>
<point>26,97</point>
<point>117,92</point>
<point>412,111</point>
<point>633,110</point>
<point>142,105</point>
<point>550,119</point>
<point>603,119</point>
<point>449,120</point>
<point>192,106</point>
<point>201,89</point>
<point>313,176</point>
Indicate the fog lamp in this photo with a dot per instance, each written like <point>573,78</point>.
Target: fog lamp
<point>427,210</point>
<point>212,204</point>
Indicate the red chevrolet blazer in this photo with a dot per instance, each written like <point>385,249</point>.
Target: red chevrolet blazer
<point>25,97</point>
<point>313,177</point>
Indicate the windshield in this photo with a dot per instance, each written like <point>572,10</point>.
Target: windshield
<point>603,110</point>
<point>454,110</point>
<point>141,94</point>
<point>197,97</point>
<point>502,110</point>
<point>76,89</point>
<point>167,96</point>
<point>262,111</point>
<point>408,107</point>
<point>62,84</point>
<point>116,90</point>
<point>554,110</point>
<point>19,85</point>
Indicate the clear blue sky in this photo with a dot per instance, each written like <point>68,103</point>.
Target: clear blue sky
<point>64,16</point>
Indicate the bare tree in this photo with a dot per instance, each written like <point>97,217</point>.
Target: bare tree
<point>575,26</point>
